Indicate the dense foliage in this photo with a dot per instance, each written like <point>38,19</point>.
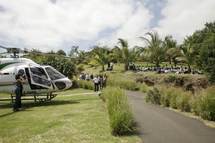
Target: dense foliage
<point>202,43</point>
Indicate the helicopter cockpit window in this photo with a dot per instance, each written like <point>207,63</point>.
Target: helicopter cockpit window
<point>54,74</point>
<point>39,76</point>
<point>39,72</point>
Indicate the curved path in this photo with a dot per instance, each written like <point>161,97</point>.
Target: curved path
<point>159,125</point>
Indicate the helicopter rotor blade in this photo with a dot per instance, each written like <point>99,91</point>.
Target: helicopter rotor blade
<point>3,47</point>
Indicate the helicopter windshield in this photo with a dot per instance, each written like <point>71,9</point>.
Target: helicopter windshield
<point>54,74</point>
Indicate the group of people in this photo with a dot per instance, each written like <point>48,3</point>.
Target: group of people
<point>177,70</point>
<point>99,81</point>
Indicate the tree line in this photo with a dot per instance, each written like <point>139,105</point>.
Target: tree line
<point>196,51</point>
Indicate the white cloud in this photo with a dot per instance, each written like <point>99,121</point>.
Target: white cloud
<point>136,25</point>
<point>55,24</point>
<point>44,24</point>
<point>183,17</point>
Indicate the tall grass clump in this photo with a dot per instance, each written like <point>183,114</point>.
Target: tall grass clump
<point>124,83</point>
<point>204,105</point>
<point>170,97</point>
<point>121,118</point>
<point>85,84</point>
<point>143,87</point>
<point>183,101</point>
<point>154,96</point>
<point>166,94</point>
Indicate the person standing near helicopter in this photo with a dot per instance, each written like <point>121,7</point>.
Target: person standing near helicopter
<point>18,91</point>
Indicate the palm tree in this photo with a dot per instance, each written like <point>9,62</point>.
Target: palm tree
<point>155,49</point>
<point>172,52</point>
<point>101,56</point>
<point>127,55</point>
<point>188,55</point>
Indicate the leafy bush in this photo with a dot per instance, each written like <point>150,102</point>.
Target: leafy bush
<point>85,84</point>
<point>121,118</point>
<point>154,96</point>
<point>75,84</point>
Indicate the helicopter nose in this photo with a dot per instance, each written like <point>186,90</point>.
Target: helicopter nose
<point>68,84</point>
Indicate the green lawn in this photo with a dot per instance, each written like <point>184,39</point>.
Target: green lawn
<point>72,119</point>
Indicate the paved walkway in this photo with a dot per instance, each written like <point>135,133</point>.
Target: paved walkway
<point>159,125</point>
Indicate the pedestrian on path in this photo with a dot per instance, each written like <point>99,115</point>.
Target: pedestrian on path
<point>96,83</point>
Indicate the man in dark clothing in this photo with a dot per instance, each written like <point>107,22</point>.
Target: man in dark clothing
<point>18,92</point>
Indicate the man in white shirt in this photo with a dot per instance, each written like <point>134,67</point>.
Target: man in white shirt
<point>96,83</point>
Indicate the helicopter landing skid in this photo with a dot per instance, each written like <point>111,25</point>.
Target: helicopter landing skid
<point>37,98</point>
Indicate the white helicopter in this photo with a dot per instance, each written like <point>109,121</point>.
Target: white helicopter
<point>40,79</point>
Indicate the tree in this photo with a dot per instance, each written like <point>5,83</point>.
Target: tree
<point>188,55</point>
<point>207,57</point>
<point>171,50</point>
<point>74,52</point>
<point>155,49</point>
<point>61,52</point>
<point>101,55</point>
<point>127,55</point>
<point>172,54</point>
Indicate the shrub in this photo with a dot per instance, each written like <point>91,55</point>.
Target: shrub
<point>153,96</point>
<point>75,84</point>
<point>121,118</point>
<point>206,104</point>
<point>85,84</point>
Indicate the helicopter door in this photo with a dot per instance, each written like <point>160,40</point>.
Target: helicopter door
<point>39,77</point>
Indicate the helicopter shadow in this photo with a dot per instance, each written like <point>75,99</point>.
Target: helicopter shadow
<point>26,107</point>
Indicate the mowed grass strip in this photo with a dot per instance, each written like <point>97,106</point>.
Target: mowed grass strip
<point>69,119</point>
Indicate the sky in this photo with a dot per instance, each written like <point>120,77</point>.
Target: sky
<point>60,24</point>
